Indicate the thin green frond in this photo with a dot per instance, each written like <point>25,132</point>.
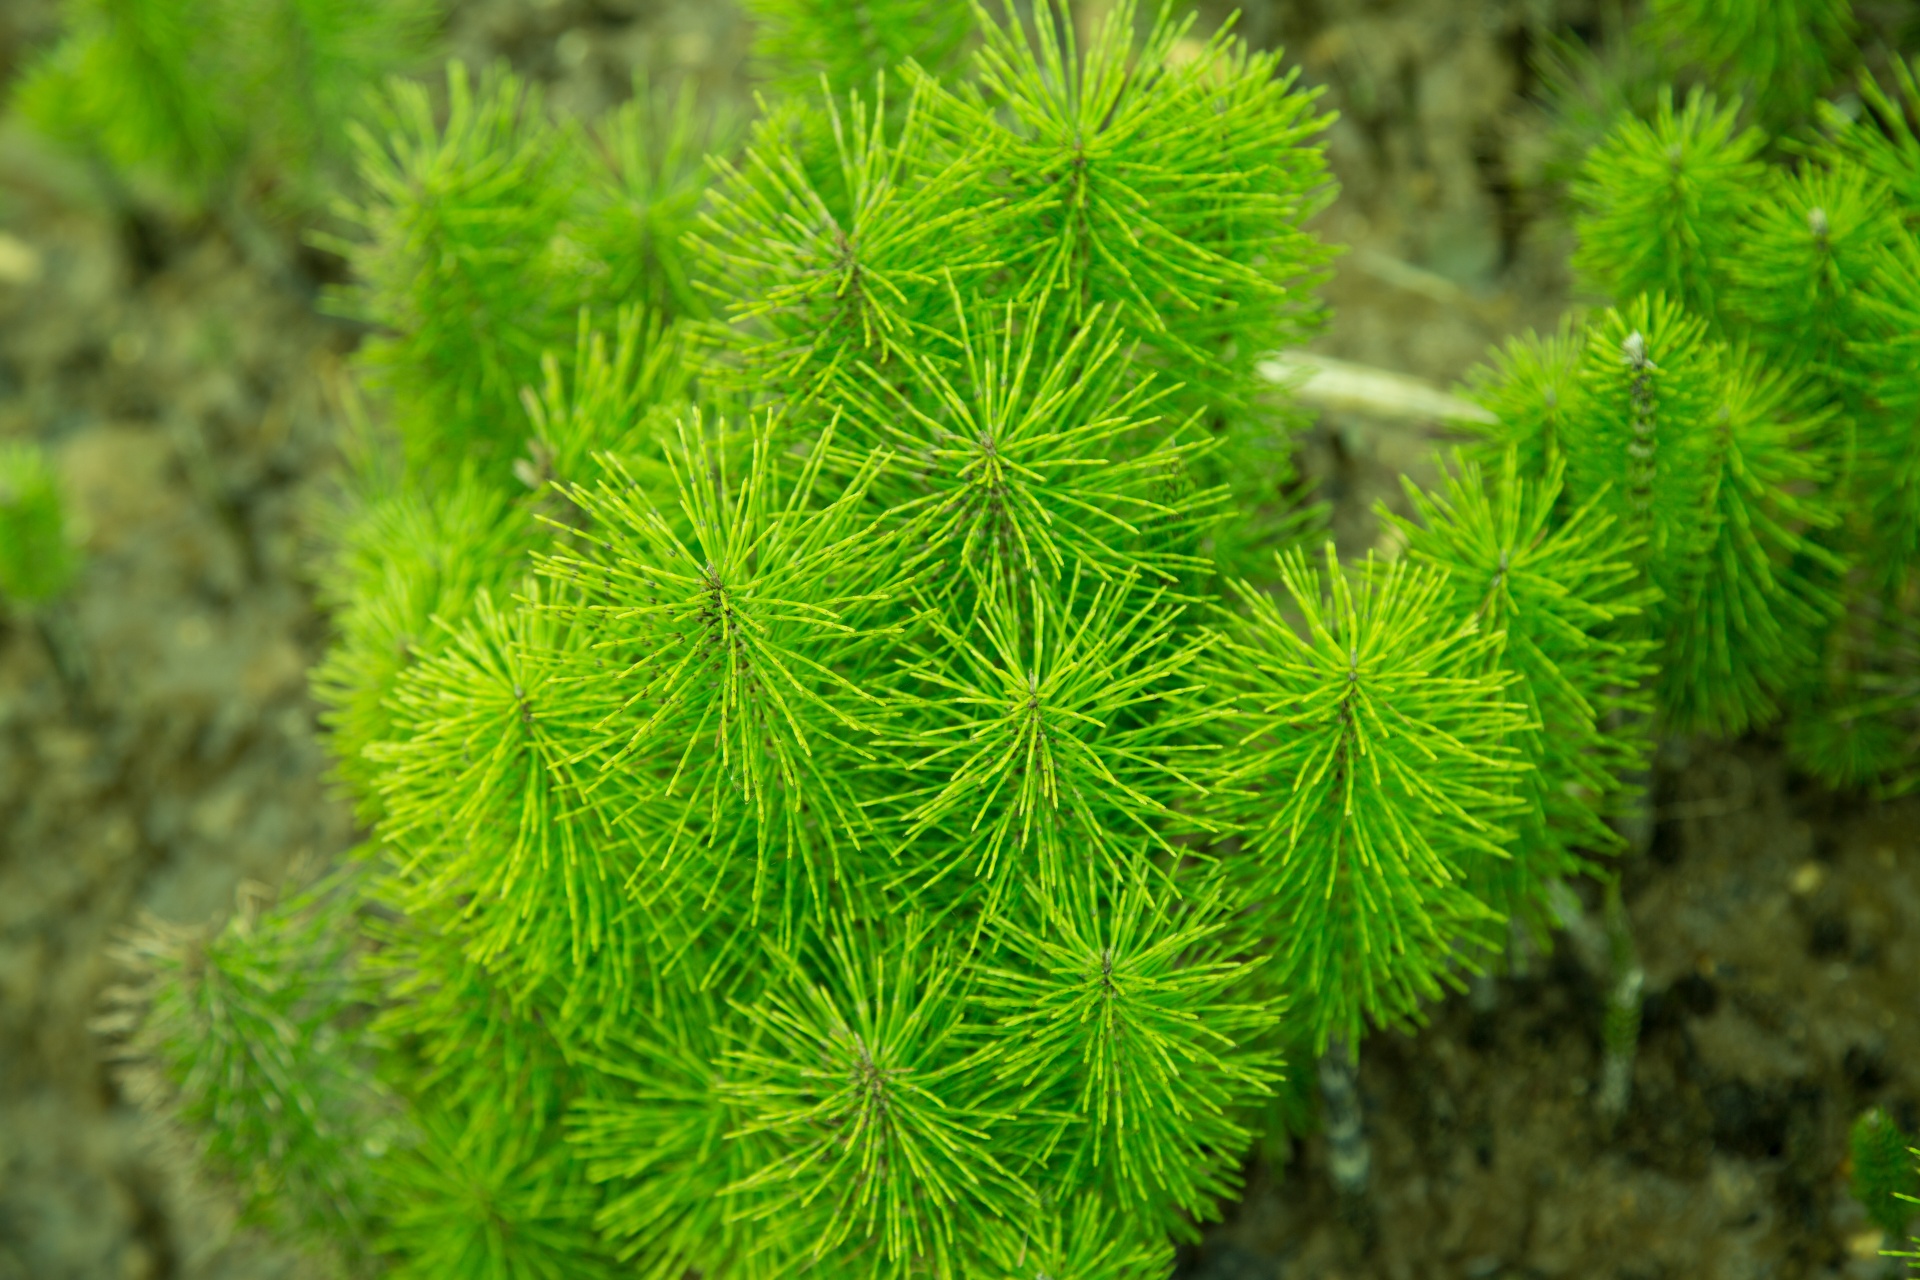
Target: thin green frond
<point>1529,386</point>
<point>254,1039</point>
<point>1029,453</point>
<point>830,242</point>
<point>648,191</point>
<point>715,645</point>
<point>1172,190</point>
<point>490,1195</point>
<point>484,790</point>
<point>1562,595</point>
<point>405,570</point>
<point>1052,735</point>
<point>861,1074</point>
<point>1081,1239</point>
<point>454,253</point>
<point>1661,204</point>
<point>662,1135</point>
<point>1740,623</point>
<point>1129,1028</point>
<point>1370,770</point>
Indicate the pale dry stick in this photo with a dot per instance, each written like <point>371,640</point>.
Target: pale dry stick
<point>1349,1154</point>
<point>1323,382</point>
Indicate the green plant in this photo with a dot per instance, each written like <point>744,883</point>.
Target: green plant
<point>248,1038</point>
<point>37,555</point>
<point>1782,54</point>
<point>818,784</point>
<point>208,96</point>
<point>1885,1179</point>
<point>1741,408</point>
<point>853,787</point>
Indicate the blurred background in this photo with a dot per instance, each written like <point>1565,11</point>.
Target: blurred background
<point>158,748</point>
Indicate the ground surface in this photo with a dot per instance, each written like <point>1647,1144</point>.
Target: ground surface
<point>157,745</point>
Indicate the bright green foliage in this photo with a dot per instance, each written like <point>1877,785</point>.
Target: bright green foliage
<point>613,401</point>
<point>1859,718</point>
<point>1588,90</point>
<point>665,1140</point>
<point>37,557</point>
<point>1149,1006</point>
<point>1031,414</point>
<point>317,61</point>
<point>456,256</point>
<point>825,817</point>
<point>1885,1181</point>
<point>836,257</point>
<point>644,197</point>
<point>1530,386</point>
<point>202,90</point>
<point>1883,140</point>
<point>1703,454</point>
<point>1166,200</point>
<point>492,1196</point>
<point>858,1069</point>
<point>1373,770</point>
<point>1765,452</point>
<point>1648,385</point>
<point>1809,551</point>
<point>1174,192</point>
<point>1859,724</point>
<point>1889,449</point>
<point>1709,463</point>
<point>1661,203</point>
<point>1561,594</point>
<point>1807,262</point>
<point>846,44</point>
<point>1083,1240</point>
<point>455,1033</point>
<point>1762,594</point>
<point>483,787</point>
<point>1052,734</point>
<point>1781,52</point>
<point>129,79</point>
<point>716,644</point>
<point>482,232</point>
<point>408,566</point>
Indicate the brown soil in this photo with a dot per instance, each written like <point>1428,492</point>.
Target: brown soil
<point>157,745</point>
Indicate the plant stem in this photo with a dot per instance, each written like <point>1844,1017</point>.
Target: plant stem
<point>1349,1155</point>
<point>1483,992</point>
<point>1626,980</point>
<point>1625,987</point>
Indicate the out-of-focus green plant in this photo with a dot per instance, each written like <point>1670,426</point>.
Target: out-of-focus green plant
<point>38,558</point>
<point>207,95</point>
<point>1781,54</point>
<point>1886,1175</point>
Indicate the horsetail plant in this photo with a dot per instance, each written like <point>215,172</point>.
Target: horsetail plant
<point>865,773</point>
